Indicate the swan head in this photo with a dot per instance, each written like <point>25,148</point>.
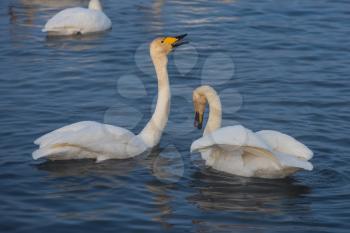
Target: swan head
<point>162,46</point>
<point>95,5</point>
<point>199,103</point>
<point>202,95</point>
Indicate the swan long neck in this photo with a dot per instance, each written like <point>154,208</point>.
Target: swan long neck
<point>215,111</point>
<point>95,5</point>
<point>152,132</point>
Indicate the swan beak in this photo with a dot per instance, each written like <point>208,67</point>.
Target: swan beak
<point>176,41</point>
<point>198,120</point>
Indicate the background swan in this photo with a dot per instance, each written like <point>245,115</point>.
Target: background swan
<point>78,20</point>
<point>89,139</point>
<point>238,150</point>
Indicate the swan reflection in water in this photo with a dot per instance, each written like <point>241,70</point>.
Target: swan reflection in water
<point>219,191</point>
<point>86,167</point>
<point>106,184</point>
<point>75,43</point>
<point>79,176</point>
<point>89,167</point>
<point>162,199</point>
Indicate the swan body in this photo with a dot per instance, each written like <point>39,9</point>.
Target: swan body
<point>89,139</point>
<point>240,151</point>
<point>94,140</point>
<point>78,20</point>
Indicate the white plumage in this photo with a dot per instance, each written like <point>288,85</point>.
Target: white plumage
<point>89,139</point>
<point>79,20</point>
<point>238,150</point>
<point>285,144</point>
<point>93,140</point>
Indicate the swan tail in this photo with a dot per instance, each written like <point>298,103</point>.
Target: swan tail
<point>52,152</point>
<point>40,153</point>
<point>286,144</point>
<point>64,152</point>
<point>290,161</point>
<point>285,161</point>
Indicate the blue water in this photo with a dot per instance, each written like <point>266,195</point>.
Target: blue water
<point>281,65</point>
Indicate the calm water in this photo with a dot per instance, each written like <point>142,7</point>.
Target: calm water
<point>281,65</point>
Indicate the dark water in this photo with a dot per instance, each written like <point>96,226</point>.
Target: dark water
<point>281,65</point>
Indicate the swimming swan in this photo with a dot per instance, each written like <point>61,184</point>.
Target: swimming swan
<point>78,20</point>
<point>238,150</point>
<point>89,139</point>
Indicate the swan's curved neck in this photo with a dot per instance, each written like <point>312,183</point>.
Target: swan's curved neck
<point>95,5</point>
<point>153,130</point>
<point>214,119</point>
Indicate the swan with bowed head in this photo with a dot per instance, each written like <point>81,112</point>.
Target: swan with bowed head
<point>78,20</point>
<point>93,140</point>
<point>240,151</point>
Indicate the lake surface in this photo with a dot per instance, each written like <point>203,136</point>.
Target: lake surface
<point>281,65</point>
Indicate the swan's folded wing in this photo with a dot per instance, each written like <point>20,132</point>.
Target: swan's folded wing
<point>229,138</point>
<point>93,137</point>
<point>49,137</point>
<point>287,160</point>
<point>285,144</point>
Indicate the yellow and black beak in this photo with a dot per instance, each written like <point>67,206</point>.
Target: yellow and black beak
<point>176,40</point>
<point>198,120</point>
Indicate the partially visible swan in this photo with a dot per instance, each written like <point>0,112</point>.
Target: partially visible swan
<point>89,139</point>
<point>78,20</point>
<point>238,150</point>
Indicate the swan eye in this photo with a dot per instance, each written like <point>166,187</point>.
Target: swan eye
<point>162,41</point>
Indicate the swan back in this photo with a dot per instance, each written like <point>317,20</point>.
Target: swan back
<point>230,136</point>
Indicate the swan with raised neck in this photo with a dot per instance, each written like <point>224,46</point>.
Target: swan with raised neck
<point>94,140</point>
<point>159,49</point>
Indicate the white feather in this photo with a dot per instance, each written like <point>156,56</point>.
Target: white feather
<point>89,139</point>
<point>94,139</point>
<point>77,20</point>
<point>284,143</point>
<point>231,136</point>
<point>238,150</point>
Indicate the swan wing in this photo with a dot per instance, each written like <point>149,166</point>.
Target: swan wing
<point>93,139</point>
<point>229,138</point>
<point>285,144</point>
<point>47,138</point>
<point>77,19</point>
<point>291,161</point>
<point>278,159</point>
<point>240,141</point>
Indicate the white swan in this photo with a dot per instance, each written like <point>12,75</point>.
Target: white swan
<point>89,139</point>
<point>238,150</point>
<point>78,20</point>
